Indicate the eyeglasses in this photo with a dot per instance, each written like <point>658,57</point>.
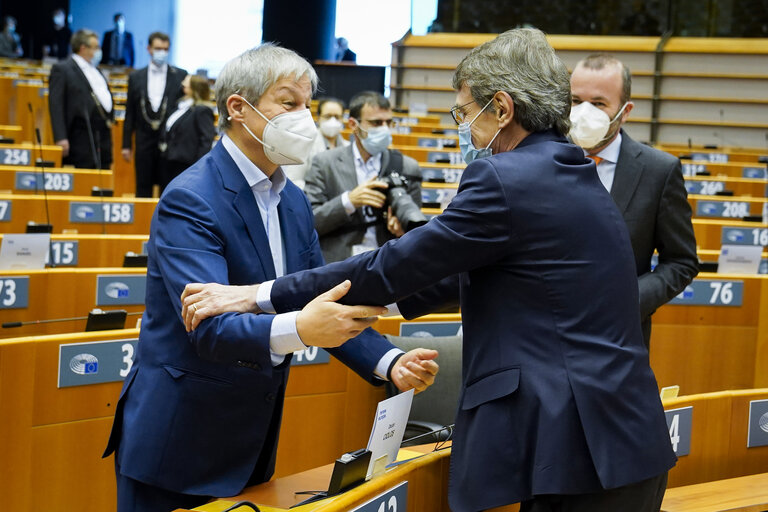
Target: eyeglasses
<point>381,122</point>
<point>457,114</point>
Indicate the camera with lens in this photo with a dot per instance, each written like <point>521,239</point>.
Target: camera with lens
<point>403,206</point>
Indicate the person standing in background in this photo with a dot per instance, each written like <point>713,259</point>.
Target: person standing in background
<point>80,104</point>
<point>118,44</point>
<point>152,95</point>
<point>57,41</point>
<point>10,42</point>
<point>188,134</point>
<point>646,184</point>
<point>330,119</point>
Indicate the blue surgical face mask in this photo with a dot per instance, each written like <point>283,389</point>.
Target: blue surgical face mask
<point>378,139</point>
<point>468,150</point>
<point>159,57</point>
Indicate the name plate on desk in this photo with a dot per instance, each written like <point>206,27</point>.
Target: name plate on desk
<point>441,196</point>
<point>679,424</point>
<point>97,362</point>
<point>435,142</point>
<point>453,157</point>
<point>754,172</point>
<point>65,253</point>
<point>15,156</point>
<point>430,329</point>
<point>120,290</point>
<point>310,355</point>
<point>744,236</point>
<point>719,158</point>
<point>758,424</point>
<point>441,175</point>
<point>711,293</point>
<point>727,209</point>
<point>393,500</point>
<point>96,213</point>
<point>54,181</point>
<point>693,169</point>
<point>14,292</point>
<point>704,188</point>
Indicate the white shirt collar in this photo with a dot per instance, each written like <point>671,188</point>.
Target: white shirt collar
<point>610,153</point>
<point>375,160</point>
<point>253,175</point>
<point>84,64</point>
<point>157,69</point>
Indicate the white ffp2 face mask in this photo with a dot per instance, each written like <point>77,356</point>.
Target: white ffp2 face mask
<point>331,127</point>
<point>288,137</point>
<point>590,125</point>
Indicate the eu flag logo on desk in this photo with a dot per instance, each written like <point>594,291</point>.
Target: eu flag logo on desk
<point>84,364</point>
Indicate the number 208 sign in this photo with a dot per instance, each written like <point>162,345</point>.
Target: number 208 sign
<point>96,362</point>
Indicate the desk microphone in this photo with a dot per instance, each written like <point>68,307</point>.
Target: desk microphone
<point>96,153</point>
<point>103,320</point>
<point>433,433</point>
<point>47,227</point>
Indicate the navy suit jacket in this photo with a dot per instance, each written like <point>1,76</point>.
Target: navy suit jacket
<point>558,396</point>
<point>126,53</point>
<point>195,409</point>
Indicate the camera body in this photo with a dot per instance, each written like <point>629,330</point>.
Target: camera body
<point>403,205</point>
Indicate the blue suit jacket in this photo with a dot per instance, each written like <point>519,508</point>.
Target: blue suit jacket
<point>195,408</point>
<point>558,395</point>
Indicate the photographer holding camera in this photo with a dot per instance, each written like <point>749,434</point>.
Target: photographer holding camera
<point>364,194</point>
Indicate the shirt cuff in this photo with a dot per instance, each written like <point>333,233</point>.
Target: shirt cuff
<point>392,310</point>
<point>283,337</point>
<point>348,206</point>
<point>264,297</point>
<point>383,366</point>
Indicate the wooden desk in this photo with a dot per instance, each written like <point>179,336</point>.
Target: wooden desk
<point>58,181</point>
<point>66,293</point>
<point>51,153</point>
<point>743,494</point>
<point>94,250</point>
<point>55,436</point>
<point>427,478</point>
<point>709,232</point>
<point>64,214</point>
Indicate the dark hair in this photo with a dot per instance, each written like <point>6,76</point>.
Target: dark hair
<point>201,88</point>
<point>80,39</point>
<point>328,99</point>
<point>599,61</point>
<point>117,16</point>
<point>370,98</point>
<point>159,35</point>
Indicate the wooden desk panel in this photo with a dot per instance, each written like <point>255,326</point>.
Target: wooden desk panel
<point>51,153</point>
<point>743,494</point>
<point>32,208</point>
<point>61,293</point>
<point>709,232</point>
<point>82,180</point>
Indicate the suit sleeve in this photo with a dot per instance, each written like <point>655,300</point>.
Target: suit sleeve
<point>676,244</point>
<point>57,92</point>
<point>472,232</point>
<point>129,124</point>
<point>106,46</point>
<point>131,52</point>
<point>189,248</point>
<point>363,352</point>
<point>326,204</point>
<point>204,130</point>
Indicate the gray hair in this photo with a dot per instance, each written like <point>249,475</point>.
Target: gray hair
<point>81,38</point>
<point>254,71</point>
<point>600,61</point>
<point>521,63</point>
